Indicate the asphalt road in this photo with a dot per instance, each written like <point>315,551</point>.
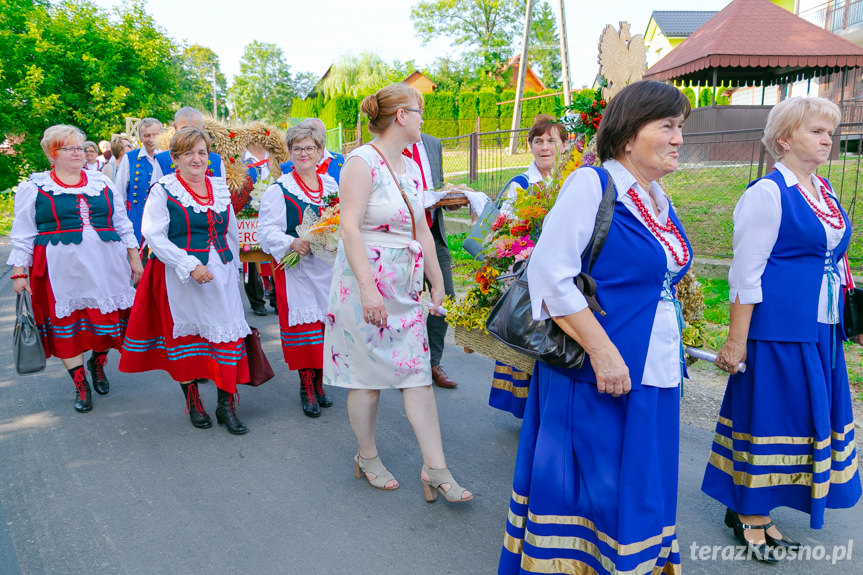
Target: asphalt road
<point>132,488</point>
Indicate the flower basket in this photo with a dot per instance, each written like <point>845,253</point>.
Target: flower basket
<point>476,340</point>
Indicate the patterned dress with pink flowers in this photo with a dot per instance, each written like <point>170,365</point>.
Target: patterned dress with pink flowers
<point>357,354</point>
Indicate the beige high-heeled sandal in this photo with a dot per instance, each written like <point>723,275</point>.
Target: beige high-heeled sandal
<point>376,468</point>
<point>438,477</point>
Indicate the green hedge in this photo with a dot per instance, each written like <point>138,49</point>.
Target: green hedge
<point>488,110</point>
<point>446,114</point>
<point>468,110</point>
<point>441,115</point>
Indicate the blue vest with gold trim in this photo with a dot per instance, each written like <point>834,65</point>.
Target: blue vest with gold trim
<point>138,188</point>
<point>58,217</point>
<point>194,232</point>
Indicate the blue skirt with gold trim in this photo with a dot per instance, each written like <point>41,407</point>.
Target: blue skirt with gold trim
<point>785,435</point>
<point>595,486</point>
<point>509,389</point>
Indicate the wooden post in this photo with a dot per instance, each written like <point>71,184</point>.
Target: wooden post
<point>474,156</point>
<point>714,87</point>
<point>478,125</point>
<point>564,54</point>
<point>522,71</point>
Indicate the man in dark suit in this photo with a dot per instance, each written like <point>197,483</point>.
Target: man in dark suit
<point>428,154</point>
<point>331,162</point>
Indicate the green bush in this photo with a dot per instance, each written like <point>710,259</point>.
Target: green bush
<point>529,109</point>
<point>506,110</point>
<point>550,104</point>
<point>341,108</point>
<point>690,95</point>
<point>468,110</point>
<point>441,114</point>
<point>487,100</point>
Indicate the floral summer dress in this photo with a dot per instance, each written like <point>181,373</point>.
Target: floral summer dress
<point>357,354</point>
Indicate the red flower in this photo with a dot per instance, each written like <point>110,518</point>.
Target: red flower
<point>232,135</point>
<point>498,223</point>
<point>519,230</point>
<point>231,160</point>
<point>266,132</point>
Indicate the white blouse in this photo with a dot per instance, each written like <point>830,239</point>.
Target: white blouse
<point>94,274</point>
<point>307,284</point>
<point>757,218</point>
<point>570,223</point>
<point>212,310</point>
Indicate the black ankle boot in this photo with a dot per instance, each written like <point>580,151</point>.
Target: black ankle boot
<point>83,401</point>
<point>307,393</point>
<point>195,407</point>
<point>323,399</point>
<point>226,414</point>
<point>96,365</point>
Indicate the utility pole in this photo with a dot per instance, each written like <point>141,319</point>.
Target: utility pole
<point>564,54</point>
<point>215,102</point>
<point>522,72</point>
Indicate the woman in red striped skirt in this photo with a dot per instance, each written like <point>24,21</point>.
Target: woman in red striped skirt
<point>72,235</point>
<point>301,291</point>
<point>188,317</point>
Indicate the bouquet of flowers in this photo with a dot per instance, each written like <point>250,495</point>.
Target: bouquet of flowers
<point>321,230</point>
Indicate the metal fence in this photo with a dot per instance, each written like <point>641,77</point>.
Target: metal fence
<point>483,161</point>
<point>715,169</point>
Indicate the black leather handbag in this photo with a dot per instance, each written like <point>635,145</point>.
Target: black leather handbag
<point>853,312</point>
<point>511,319</point>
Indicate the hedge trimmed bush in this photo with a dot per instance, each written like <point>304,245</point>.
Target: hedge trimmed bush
<point>441,114</point>
<point>468,110</point>
<point>487,100</point>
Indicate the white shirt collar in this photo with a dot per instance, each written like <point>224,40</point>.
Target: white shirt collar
<point>791,179</point>
<point>624,181</point>
<point>533,173</point>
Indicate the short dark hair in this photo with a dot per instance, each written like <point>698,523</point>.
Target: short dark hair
<point>543,123</point>
<point>636,105</point>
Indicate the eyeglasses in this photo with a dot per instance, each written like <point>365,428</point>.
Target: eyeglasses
<point>417,110</point>
<point>72,149</point>
<point>308,150</point>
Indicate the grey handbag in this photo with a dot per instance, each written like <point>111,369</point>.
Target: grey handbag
<point>26,342</point>
<point>473,242</point>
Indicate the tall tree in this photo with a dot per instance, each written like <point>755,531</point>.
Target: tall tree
<point>487,28</point>
<point>73,62</point>
<point>363,74</point>
<point>197,65</point>
<point>265,86</point>
<point>545,45</point>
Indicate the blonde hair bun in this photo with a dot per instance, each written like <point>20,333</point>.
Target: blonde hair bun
<point>369,107</point>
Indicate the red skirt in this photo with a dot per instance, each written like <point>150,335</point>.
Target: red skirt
<point>302,344</point>
<point>84,330</point>
<point>149,343</point>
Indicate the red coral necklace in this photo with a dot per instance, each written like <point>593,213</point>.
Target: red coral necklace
<point>834,214</point>
<point>314,195</point>
<point>81,182</point>
<point>655,228</point>
<point>204,201</point>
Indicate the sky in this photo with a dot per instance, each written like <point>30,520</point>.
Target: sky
<point>315,33</point>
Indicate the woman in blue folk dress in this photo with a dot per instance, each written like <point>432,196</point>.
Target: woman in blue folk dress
<point>595,487</point>
<point>785,435</point>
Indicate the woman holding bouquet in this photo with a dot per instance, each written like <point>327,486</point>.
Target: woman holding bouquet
<point>375,334</point>
<point>74,251</point>
<point>595,487</point>
<point>547,141</point>
<point>301,290</point>
<point>188,316</point>
<point>785,435</point>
